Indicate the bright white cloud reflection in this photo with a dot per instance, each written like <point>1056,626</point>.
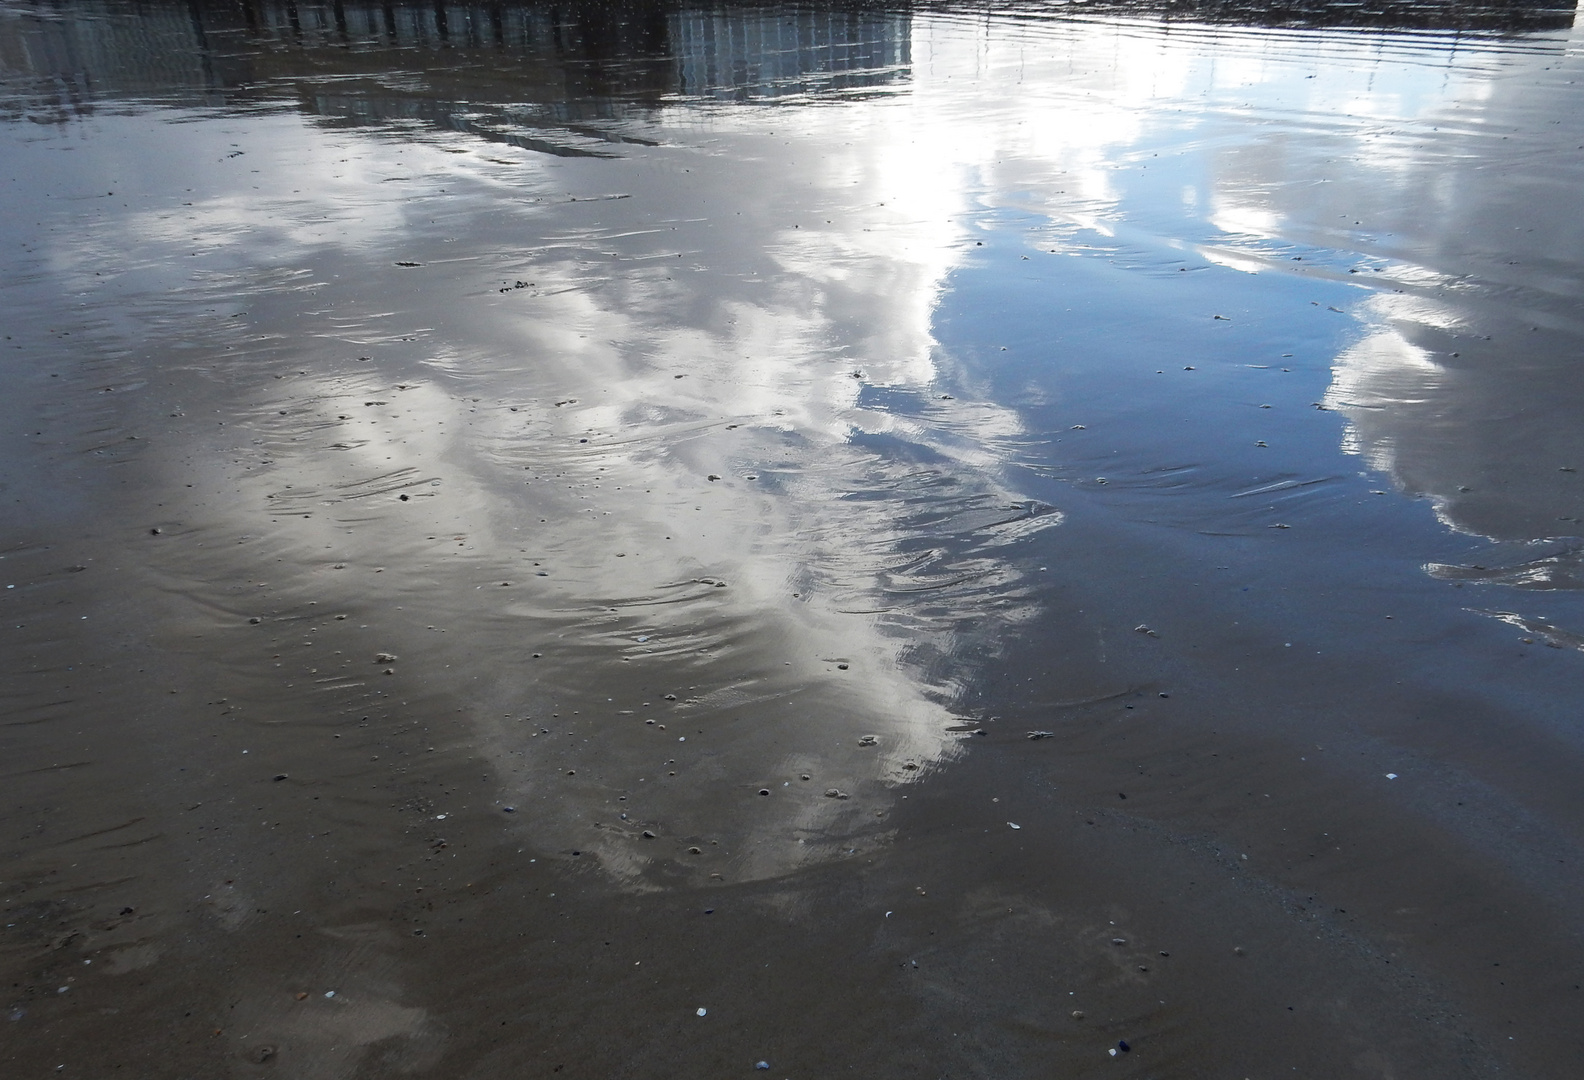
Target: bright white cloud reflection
<point>770,282</point>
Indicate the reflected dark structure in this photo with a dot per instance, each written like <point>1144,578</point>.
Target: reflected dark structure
<point>633,51</point>
<point>640,52</point>
<point>554,78</point>
<point>749,54</point>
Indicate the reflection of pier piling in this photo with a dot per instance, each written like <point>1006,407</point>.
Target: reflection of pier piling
<point>208,51</point>
<point>720,50</point>
<point>775,53</point>
<point>576,52</point>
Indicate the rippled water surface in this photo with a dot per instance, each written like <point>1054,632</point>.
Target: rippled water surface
<point>642,539</point>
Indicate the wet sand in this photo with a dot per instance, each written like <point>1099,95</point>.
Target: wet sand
<point>645,540</point>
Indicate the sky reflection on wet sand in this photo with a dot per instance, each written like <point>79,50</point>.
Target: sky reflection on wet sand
<point>681,396</point>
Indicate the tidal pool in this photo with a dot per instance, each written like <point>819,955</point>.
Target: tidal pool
<point>644,538</point>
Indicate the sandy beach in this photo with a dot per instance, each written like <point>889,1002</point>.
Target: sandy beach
<point>648,540</point>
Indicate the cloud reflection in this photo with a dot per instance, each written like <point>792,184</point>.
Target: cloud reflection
<point>649,346</point>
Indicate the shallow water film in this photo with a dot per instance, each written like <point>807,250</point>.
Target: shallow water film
<point>663,540</point>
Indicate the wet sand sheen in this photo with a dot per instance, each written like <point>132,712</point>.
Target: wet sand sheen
<point>952,546</point>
